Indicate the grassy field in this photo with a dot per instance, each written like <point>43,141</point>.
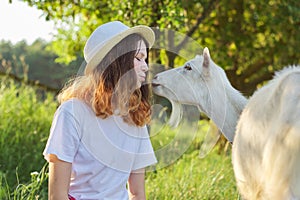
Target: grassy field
<point>26,116</point>
<point>193,178</point>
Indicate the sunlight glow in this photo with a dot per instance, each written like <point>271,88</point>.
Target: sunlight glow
<point>18,21</point>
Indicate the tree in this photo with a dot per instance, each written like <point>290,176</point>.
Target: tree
<point>249,39</point>
<point>253,39</point>
<point>35,64</point>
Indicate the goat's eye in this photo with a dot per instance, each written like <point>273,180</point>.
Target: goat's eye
<point>188,67</point>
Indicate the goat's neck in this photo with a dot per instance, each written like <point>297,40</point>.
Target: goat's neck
<point>225,113</point>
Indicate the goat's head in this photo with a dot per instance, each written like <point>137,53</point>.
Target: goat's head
<point>202,83</point>
<point>197,82</point>
<point>192,83</point>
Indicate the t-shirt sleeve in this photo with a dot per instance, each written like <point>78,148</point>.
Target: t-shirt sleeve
<point>145,157</point>
<point>64,139</point>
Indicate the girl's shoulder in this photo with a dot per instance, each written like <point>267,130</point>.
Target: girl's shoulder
<point>73,103</point>
<point>75,107</point>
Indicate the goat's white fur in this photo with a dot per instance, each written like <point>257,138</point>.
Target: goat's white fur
<point>202,83</point>
<point>266,148</point>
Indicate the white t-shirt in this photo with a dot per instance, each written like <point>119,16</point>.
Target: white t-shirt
<point>103,152</point>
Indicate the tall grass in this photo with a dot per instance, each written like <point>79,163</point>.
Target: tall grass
<point>193,178</point>
<point>190,176</point>
<point>26,116</point>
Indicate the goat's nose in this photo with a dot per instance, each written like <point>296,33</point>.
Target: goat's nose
<point>155,81</point>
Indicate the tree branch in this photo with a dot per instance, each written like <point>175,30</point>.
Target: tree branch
<point>251,86</point>
<point>205,13</point>
<point>251,69</point>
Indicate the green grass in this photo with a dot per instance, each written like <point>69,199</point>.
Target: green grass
<point>26,116</point>
<point>193,178</point>
<point>35,189</point>
<point>182,173</point>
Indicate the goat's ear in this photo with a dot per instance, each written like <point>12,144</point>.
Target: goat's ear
<point>206,62</point>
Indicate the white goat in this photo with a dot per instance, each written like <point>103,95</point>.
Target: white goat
<point>266,148</point>
<point>202,83</point>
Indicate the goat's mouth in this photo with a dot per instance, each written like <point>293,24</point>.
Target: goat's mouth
<point>155,84</point>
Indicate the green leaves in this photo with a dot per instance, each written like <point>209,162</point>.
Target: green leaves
<point>242,35</point>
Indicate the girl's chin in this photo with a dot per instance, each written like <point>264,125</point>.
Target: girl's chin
<point>139,84</point>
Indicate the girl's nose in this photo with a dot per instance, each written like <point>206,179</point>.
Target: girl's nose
<point>145,67</point>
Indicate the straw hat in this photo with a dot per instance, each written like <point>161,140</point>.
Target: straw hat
<point>106,36</point>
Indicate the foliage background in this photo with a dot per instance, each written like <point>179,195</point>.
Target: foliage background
<point>249,39</point>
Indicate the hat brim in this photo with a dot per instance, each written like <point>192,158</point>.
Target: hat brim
<point>146,32</point>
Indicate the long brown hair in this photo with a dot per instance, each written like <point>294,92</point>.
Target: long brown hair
<point>111,88</point>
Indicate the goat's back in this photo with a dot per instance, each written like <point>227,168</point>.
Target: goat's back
<point>266,148</point>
